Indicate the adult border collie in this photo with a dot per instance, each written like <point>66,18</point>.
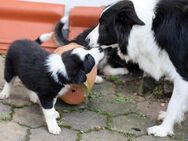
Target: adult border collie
<point>111,64</point>
<point>154,34</point>
<point>47,75</point>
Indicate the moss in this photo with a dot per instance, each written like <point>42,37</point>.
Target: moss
<point>142,115</point>
<point>130,136</point>
<point>109,121</point>
<point>123,99</point>
<point>116,80</point>
<point>79,136</point>
<point>27,137</point>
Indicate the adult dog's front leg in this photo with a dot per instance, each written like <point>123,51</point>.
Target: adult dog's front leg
<point>175,111</point>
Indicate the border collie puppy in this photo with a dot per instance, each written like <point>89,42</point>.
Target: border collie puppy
<point>154,34</point>
<point>111,64</point>
<point>45,75</point>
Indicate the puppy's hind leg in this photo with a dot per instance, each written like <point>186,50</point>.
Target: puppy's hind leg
<point>108,70</point>
<point>5,93</point>
<point>9,78</point>
<point>50,114</point>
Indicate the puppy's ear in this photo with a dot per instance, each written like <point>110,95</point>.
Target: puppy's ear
<point>80,77</point>
<point>124,21</point>
<point>89,63</point>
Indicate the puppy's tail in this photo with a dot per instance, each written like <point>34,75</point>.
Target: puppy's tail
<point>44,37</point>
<point>58,32</point>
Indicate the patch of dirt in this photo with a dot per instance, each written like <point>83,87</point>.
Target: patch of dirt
<point>152,106</point>
<point>148,104</point>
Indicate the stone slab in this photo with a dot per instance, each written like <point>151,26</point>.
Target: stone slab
<point>41,134</point>
<point>84,121</point>
<point>10,131</point>
<point>103,136</point>
<point>30,116</point>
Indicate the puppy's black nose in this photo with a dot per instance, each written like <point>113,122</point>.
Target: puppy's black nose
<point>87,47</point>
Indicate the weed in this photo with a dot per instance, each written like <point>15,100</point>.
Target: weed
<point>158,91</point>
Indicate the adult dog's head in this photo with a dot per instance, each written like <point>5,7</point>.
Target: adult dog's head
<point>114,26</point>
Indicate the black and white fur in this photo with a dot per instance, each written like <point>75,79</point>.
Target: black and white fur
<point>46,75</point>
<point>111,64</point>
<point>154,34</point>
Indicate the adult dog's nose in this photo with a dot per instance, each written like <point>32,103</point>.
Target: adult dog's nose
<point>101,49</point>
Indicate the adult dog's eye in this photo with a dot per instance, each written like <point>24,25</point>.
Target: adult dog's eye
<point>102,25</point>
<point>101,21</point>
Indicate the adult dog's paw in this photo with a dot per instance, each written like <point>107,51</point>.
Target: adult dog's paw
<point>160,131</point>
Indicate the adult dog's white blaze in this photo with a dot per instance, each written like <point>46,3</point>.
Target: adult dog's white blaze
<point>93,37</point>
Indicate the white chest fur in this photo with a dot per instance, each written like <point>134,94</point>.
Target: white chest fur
<point>143,49</point>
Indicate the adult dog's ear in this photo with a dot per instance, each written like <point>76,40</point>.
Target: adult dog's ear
<point>125,19</point>
<point>89,63</point>
<point>80,77</point>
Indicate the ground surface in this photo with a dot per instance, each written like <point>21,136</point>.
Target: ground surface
<point>114,112</point>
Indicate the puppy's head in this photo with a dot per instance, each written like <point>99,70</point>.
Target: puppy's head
<point>72,66</point>
<point>114,26</point>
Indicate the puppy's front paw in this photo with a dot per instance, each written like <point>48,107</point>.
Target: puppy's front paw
<point>160,131</point>
<point>57,115</point>
<point>54,129</point>
<point>4,95</point>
